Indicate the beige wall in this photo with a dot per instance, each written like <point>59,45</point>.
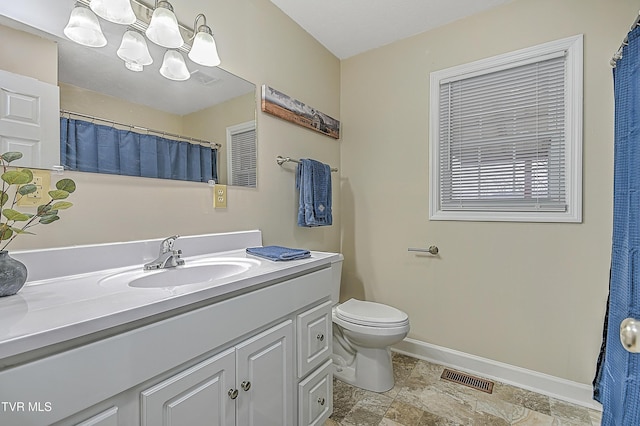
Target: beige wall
<point>259,43</point>
<point>527,294</point>
<point>28,55</point>
<point>77,99</point>
<point>212,123</point>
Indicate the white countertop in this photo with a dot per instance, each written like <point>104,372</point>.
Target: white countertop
<point>56,310</point>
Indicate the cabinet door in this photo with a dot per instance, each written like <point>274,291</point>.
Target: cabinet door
<point>196,396</point>
<point>265,378</point>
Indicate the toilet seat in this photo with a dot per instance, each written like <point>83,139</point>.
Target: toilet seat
<point>371,314</point>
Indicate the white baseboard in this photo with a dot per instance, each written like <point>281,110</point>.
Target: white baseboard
<point>565,390</point>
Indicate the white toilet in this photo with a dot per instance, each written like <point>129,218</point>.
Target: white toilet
<point>362,334</point>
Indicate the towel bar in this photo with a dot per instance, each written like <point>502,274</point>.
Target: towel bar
<point>281,160</point>
<point>431,250</point>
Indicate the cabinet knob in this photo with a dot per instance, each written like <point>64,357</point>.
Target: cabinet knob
<point>233,393</point>
<point>321,401</point>
<point>320,336</point>
<point>246,385</point>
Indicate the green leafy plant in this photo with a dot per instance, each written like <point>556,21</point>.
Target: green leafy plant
<point>14,222</point>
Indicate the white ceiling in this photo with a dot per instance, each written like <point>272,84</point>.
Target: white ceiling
<point>349,27</point>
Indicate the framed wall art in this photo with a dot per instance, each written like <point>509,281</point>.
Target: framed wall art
<point>277,103</point>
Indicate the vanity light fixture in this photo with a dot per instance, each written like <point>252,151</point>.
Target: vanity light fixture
<point>160,26</point>
<point>204,50</point>
<point>84,28</point>
<point>134,51</point>
<point>116,11</point>
<point>173,66</point>
<point>163,29</point>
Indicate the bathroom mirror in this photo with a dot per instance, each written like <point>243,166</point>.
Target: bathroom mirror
<point>94,82</point>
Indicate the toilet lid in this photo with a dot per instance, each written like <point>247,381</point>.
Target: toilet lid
<point>370,313</point>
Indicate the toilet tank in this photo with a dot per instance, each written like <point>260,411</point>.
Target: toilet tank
<point>336,276</point>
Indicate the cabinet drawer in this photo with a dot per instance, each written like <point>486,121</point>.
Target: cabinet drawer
<point>315,396</point>
<point>314,337</point>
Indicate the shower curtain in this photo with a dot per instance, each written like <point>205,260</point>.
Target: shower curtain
<point>90,147</point>
<point>617,381</point>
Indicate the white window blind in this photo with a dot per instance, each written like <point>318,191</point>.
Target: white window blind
<point>503,139</point>
<point>242,155</point>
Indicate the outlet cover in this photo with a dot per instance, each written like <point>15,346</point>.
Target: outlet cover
<point>42,179</point>
<point>220,196</point>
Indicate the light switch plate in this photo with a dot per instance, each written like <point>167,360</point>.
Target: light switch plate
<point>220,196</point>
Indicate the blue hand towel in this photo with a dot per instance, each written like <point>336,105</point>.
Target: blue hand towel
<point>279,253</point>
<point>313,180</point>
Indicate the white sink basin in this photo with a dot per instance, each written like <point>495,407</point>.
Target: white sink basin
<point>196,272</point>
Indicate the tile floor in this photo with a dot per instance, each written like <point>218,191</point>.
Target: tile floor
<point>421,398</point>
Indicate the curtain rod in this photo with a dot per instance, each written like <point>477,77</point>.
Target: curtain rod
<point>143,129</point>
<point>625,42</point>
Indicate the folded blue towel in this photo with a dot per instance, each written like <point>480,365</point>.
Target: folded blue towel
<point>313,179</point>
<point>279,253</point>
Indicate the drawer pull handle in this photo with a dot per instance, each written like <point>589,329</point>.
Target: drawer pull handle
<point>246,385</point>
<point>321,401</point>
<point>233,393</point>
<point>320,336</point>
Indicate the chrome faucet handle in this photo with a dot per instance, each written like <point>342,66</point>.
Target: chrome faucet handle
<point>173,259</point>
<point>177,259</point>
<point>167,244</point>
<point>168,257</point>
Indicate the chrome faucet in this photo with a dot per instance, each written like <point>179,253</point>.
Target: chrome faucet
<point>168,258</point>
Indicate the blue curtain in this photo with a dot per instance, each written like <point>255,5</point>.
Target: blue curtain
<point>90,147</point>
<point>617,384</point>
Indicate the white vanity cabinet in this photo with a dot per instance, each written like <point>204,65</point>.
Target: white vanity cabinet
<point>257,357</point>
<point>251,382</point>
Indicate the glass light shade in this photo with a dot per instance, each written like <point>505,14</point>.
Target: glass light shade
<point>117,11</point>
<point>163,29</point>
<point>84,28</point>
<point>133,67</point>
<point>204,50</point>
<point>133,49</point>
<point>173,66</point>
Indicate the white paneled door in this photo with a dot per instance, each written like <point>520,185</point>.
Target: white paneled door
<point>29,120</point>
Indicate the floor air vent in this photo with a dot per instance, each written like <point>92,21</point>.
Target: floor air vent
<point>468,380</point>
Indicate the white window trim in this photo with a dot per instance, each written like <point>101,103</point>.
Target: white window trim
<point>573,46</point>
<point>232,130</point>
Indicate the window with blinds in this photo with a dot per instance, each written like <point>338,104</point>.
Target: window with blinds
<point>506,137</point>
<point>241,155</point>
